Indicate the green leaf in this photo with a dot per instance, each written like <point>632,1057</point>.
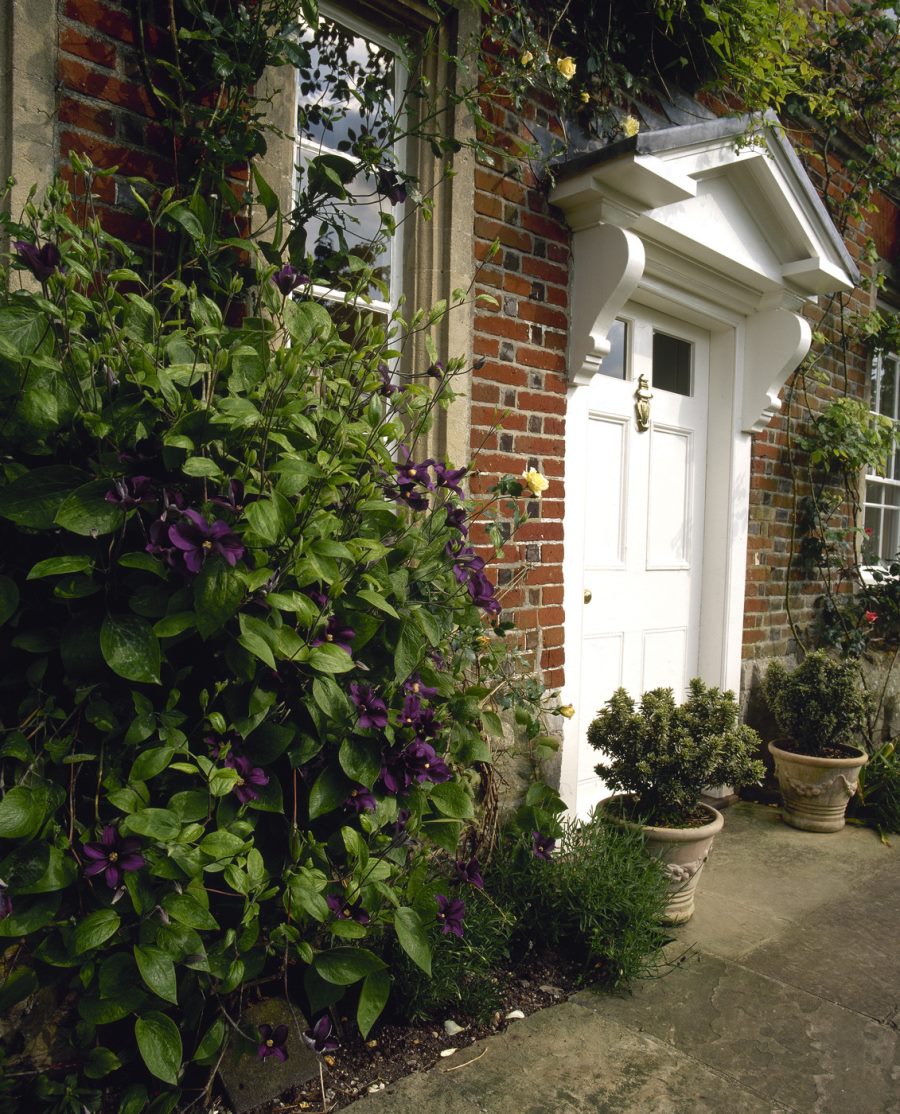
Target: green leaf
<point>59,871</point>
<point>211,1041</point>
<point>134,1100</point>
<point>491,722</point>
<point>265,193</point>
<point>100,1062</point>
<point>144,561</point>
<point>158,971</point>
<point>25,329</point>
<point>270,518</point>
<point>20,984</point>
<point>155,823</point>
<point>328,658</point>
<point>57,566</point>
<point>33,499</point>
<point>360,759</point>
<point>409,651</point>
<point>201,466</point>
<point>180,214</point>
<point>22,811</point>
<point>159,1043</point>
<point>251,639</point>
<point>150,763</point>
<point>188,911</point>
<point>130,648</point>
<point>329,792</point>
<point>86,511</point>
<point>9,598</point>
<point>305,320</point>
<point>345,966</point>
<point>95,929</point>
<point>269,797</point>
<point>29,916</point>
<point>218,592</point>
<point>413,937</point>
<point>377,600</point>
<point>221,845</point>
<point>172,625</point>
<point>452,800</point>
<point>372,999</point>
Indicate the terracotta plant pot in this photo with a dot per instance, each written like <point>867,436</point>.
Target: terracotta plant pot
<point>816,791</point>
<point>682,851</point>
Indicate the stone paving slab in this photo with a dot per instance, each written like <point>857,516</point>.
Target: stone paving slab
<point>849,956</point>
<point>790,1046</point>
<point>568,1060</point>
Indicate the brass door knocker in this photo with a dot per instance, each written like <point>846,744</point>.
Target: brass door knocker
<point>642,404</point>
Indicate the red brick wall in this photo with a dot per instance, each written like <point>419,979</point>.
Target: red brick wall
<point>522,384</point>
<point>104,110</point>
<point>780,478</point>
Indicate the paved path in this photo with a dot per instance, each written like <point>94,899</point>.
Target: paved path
<point>787,998</point>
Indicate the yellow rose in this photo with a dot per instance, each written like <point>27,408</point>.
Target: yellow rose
<point>630,126</point>
<point>566,67</point>
<point>566,710</point>
<point>535,482</point>
<point>585,96</point>
<point>526,58</point>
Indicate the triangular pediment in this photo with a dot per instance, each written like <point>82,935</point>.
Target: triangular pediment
<point>749,213</point>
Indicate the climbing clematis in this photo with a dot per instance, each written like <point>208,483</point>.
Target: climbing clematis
<point>113,856</point>
<point>450,914</point>
<point>198,539</point>
<point>273,1042</point>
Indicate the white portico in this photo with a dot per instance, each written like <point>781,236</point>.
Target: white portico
<point>693,261</point>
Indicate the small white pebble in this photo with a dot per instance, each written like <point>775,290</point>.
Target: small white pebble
<point>373,1087</point>
<point>449,1052</point>
<point>515,1015</point>
<point>451,1028</point>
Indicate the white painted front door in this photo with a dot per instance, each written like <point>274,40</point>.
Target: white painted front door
<point>643,526</point>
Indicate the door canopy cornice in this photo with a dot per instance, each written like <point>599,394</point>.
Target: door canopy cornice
<point>740,227</point>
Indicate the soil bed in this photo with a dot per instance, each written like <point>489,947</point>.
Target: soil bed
<point>394,1050</point>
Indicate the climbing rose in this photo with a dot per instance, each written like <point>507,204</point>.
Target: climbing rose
<point>450,915</point>
<point>630,126</point>
<point>566,67</point>
<point>272,1042</point>
<point>566,710</point>
<point>112,856</point>
<point>526,58</point>
<point>870,616</point>
<point>534,481</point>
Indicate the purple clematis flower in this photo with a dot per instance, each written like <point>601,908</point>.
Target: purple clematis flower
<point>345,911</point>
<point>449,477</point>
<point>415,500</point>
<point>288,279</point>
<point>360,800</point>
<point>336,634</point>
<point>542,846</point>
<point>198,539</point>
<point>319,1038</point>
<point>470,873</point>
<point>424,763</point>
<point>158,537</point>
<point>42,262</point>
<point>450,915</point>
<point>398,828</point>
<point>388,386</point>
<point>319,598</point>
<point>395,775</point>
<point>408,472</point>
<point>273,1042</point>
<point>249,777</point>
<point>391,185</point>
<point>456,518</point>
<point>372,709</point>
<point>6,903</point>
<point>415,686</point>
<point>412,709</point>
<point>436,371</point>
<point>131,491</point>
<point>236,498</point>
<point>427,726</point>
<point>113,856</point>
<point>482,592</point>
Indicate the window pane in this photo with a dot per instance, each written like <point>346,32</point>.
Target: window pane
<point>887,402</point>
<point>347,92</point>
<point>616,363</point>
<point>673,360</point>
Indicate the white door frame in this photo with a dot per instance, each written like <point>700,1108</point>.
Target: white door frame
<point>732,240</point>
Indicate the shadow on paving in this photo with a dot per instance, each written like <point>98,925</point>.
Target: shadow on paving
<point>786,998</point>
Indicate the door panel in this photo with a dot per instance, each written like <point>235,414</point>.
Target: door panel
<point>643,522</point>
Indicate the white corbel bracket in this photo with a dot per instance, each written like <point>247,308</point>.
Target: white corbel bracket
<point>609,262</point>
<point>775,342</point>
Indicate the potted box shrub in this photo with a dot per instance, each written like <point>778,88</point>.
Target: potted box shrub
<point>659,758</point>
<point>821,709</point>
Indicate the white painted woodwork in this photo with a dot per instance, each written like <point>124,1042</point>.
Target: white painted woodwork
<point>728,244</point>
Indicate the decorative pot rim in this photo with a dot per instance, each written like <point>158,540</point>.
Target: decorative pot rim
<point>671,835</point>
<point>857,761</point>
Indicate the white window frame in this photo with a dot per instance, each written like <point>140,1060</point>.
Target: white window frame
<point>306,147</point>
<point>874,512</point>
